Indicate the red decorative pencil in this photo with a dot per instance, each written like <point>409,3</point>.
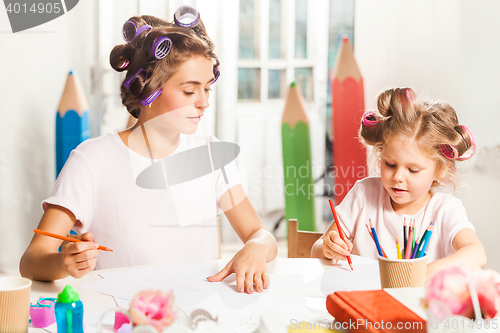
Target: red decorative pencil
<point>339,229</point>
<point>408,244</point>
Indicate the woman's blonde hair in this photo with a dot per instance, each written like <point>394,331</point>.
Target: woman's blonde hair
<point>145,73</point>
<point>432,124</point>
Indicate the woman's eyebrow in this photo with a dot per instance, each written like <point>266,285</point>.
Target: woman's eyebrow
<point>198,83</point>
<point>191,82</point>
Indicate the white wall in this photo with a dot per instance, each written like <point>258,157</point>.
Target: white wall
<point>447,50</point>
<point>35,64</point>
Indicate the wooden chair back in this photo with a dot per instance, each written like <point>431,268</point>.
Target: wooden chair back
<point>300,242</point>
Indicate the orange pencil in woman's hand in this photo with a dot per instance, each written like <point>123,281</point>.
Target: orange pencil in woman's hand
<point>74,240</point>
<point>339,230</point>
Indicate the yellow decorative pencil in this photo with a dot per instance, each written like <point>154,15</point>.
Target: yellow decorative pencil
<point>398,247</point>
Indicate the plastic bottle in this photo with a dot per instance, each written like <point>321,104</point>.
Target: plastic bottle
<point>69,311</point>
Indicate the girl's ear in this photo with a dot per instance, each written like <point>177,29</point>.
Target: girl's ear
<point>442,172</point>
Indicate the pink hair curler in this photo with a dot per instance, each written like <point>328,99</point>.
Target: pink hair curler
<point>452,153</point>
<point>369,119</point>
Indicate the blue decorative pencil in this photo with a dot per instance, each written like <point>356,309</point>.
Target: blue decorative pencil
<point>375,238</point>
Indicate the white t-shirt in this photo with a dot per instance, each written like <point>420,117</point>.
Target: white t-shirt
<point>369,200</point>
<point>142,225</point>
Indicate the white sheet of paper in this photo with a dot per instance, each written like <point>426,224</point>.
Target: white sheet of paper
<point>236,311</point>
<point>340,277</point>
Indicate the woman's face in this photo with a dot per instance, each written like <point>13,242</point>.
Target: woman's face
<point>184,96</point>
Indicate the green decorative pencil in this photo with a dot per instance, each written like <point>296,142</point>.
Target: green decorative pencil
<point>297,165</point>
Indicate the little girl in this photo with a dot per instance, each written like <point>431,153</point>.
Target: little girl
<point>100,193</point>
<point>416,145</point>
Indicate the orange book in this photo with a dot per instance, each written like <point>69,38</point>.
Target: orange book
<point>373,311</point>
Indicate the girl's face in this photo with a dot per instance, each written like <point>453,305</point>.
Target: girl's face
<point>407,174</point>
<point>184,97</point>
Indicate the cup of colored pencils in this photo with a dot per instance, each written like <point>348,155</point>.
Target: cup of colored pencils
<point>406,265</point>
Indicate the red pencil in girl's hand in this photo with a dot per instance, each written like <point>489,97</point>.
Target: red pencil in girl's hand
<point>339,230</point>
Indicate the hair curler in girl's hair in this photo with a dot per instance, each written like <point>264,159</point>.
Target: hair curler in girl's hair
<point>369,119</point>
<point>409,95</point>
<point>451,151</point>
<point>186,16</point>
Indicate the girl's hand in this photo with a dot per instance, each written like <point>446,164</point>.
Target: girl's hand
<point>80,258</point>
<point>250,267</point>
<point>334,247</point>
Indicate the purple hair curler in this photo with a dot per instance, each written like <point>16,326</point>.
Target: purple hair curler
<point>142,29</point>
<point>132,78</point>
<point>369,119</point>
<point>161,47</point>
<point>128,31</point>
<point>148,100</point>
<point>186,16</point>
<point>216,75</point>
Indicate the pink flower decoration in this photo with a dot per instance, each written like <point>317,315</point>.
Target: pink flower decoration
<point>487,284</point>
<point>153,307</point>
<point>447,294</point>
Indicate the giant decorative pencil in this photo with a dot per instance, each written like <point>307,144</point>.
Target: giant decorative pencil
<point>72,120</point>
<point>349,155</point>
<point>297,166</point>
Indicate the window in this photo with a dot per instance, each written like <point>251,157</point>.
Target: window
<point>274,49</point>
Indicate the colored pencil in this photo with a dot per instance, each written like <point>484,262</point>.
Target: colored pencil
<point>347,105</point>
<point>46,233</point>
<point>299,194</point>
<point>414,234</point>
<point>375,238</point>
<point>371,235</point>
<point>72,120</point>
<point>426,244</point>
<point>339,229</point>
<point>408,248</point>
<point>405,234</point>
<point>415,248</point>
<point>423,238</point>
<point>398,248</point>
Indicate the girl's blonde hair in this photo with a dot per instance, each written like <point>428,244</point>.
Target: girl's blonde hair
<point>146,74</point>
<point>432,124</point>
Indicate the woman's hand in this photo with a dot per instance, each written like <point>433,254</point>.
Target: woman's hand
<point>334,247</point>
<point>80,258</point>
<point>250,267</point>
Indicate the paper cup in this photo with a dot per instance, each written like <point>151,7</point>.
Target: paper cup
<point>402,273</point>
<point>14,304</point>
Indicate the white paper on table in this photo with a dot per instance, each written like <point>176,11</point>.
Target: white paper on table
<point>340,277</point>
<point>240,312</point>
<point>187,280</point>
<point>235,311</point>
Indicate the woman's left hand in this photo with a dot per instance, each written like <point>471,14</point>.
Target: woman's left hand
<point>250,267</point>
